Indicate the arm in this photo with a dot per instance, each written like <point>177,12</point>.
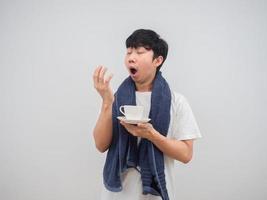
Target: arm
<point>181,150</point>
<point>103,128</point>
<point>178,150</point>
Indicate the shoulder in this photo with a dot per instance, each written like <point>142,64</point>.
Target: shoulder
<point>179,104</point>
<point>184,124</point>
<point>178,99</point>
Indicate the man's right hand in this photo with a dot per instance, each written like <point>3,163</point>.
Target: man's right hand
<point>102,85</point>
<point>103,127</point>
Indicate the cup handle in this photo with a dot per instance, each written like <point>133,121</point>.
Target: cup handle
<point>121,110</point>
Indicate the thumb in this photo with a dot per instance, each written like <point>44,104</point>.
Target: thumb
<point>109,77</point>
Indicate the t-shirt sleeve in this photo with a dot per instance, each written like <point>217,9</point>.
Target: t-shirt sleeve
<point>185,125</point>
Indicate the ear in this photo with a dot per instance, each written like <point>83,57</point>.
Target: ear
<point>158,61</point>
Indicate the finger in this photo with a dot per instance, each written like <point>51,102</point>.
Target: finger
<point>96,74</point>
<point>102,74</point>
<point>122,123</point>
<point>127,126</point>
<point>97,70</point>
<point>142,125</point>
<point>108,79</point>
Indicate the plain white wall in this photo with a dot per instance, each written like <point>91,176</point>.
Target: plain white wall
<point>48,106</point>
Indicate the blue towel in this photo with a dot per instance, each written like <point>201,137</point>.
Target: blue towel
<point>124,153</point>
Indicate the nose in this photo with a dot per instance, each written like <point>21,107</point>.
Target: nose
<point>131,58</point>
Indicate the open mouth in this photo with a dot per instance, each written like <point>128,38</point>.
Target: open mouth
<point>133,70</point>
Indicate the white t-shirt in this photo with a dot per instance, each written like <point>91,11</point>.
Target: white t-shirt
<point>183,126</point>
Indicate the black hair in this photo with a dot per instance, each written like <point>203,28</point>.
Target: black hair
<point>150,40</point>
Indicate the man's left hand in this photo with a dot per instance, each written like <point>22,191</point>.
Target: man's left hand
<point>143,130</point>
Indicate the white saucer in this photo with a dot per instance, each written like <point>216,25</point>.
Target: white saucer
<point>133,121</point>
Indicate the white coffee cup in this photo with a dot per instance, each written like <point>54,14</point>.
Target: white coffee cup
<point>132,112</point>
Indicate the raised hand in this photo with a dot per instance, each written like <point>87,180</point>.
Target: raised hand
<point>102,85</point>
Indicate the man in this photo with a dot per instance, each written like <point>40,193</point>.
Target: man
<point>140,158</point>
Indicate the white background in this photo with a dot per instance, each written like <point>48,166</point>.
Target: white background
<point>48,106</point>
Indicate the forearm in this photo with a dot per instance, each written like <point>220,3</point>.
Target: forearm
<point>103,128</point>
<point>179,150</point>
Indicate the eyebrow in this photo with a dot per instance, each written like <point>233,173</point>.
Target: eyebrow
<point>138,48</point>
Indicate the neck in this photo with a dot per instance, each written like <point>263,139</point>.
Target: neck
<point>145,86</point>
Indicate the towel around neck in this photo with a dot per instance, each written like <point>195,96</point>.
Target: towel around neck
<point>124,153</point>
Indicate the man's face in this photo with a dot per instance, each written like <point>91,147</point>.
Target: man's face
<point>140,64</point>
